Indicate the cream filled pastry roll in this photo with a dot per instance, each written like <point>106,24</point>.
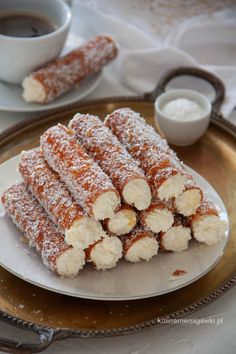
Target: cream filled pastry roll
<point>114,159</point>
<point>190,199</point>
<point>139,245</point>
<point>60,75</point>
<point>206,224</point>
<point>31,219</point>
<point>158,217</point>
<point>89,185</point>
<point>176,238</point>
<point>80,230</point>
<point>122,222</point>
<point>160,164</point>
<point>105,253</point>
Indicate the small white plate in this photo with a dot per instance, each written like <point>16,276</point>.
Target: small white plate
<point>128,281</point>
<point>11,96</point>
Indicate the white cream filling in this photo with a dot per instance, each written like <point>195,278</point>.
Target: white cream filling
<point>104,205</point>
<point>172,187</point>
<point>33,90</point>
<point>176,238</point>
<point>188,202</point>
<point>159,219</point>
<point>106,253</point>
<point>143,249</point>
<point>70,262</point>
<point>137,193</point>
<point>209,229</point>
<point>84,232</point>
<point>123,222</point>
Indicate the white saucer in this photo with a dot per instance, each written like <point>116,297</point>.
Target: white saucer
<point>128,281</point>
<point>11,96</point>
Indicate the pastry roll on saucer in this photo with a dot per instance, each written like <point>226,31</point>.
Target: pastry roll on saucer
<point>63,73</point>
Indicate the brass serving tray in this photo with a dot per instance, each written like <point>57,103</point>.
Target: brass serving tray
<point>54,316</point>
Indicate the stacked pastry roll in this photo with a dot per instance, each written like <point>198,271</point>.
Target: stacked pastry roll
<point>95,192</point>
<point>127,177</point>
<point>174,190</point>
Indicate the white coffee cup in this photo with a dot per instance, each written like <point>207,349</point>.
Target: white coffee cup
<point>18,55</point>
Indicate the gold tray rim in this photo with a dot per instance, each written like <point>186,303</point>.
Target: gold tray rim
<point>49,334</point>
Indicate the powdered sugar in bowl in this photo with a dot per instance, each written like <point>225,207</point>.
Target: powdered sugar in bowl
<point>182,115</point>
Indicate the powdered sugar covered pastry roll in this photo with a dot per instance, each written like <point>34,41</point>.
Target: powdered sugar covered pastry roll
<point>112,156</point>
<point>206,224</point>
<point>176,238</point>
<point>158,217</point>
<point>105,253</point>
<point>161,165</point>
<point>60,75</point>
<point>139,245</point>
<point>80,230</point>
<point>122,222</point>
<point>30,218</point>
<point>89,185</point>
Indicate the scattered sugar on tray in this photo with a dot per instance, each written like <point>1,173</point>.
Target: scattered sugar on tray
<point>35,312</point>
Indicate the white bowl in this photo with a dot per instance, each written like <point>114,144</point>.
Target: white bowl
<point>20,56</point>
<point>182,132</point>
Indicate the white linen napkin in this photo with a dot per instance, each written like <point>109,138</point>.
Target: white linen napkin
<point>208,42</point>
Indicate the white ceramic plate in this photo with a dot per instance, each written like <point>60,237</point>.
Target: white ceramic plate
<point>11,96</point>
<point>127,281</point>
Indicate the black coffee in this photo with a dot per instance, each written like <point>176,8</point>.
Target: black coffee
<point>25,25</point>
